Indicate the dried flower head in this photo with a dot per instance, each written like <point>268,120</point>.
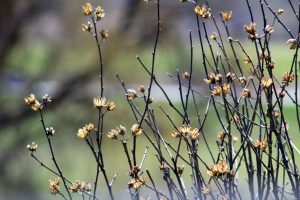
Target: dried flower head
<point>213,78</point>
<point>87,27</point>
<point>269,30</point>
<point>293,43</point>
<point>50,131</point>
<point>194,134</point>
<point>75,186</point>
<point>113,134</point>
<point>111,105</point>
<point>251,30</point>
<point>136,130</point>
<point>288,77</point>
<point>202,11</point>
<point>261,144</point>
<point>230,77</point>
<point>87,9</point>
<point>90,127</point>
<point>247,60</point>
<point>86,186</point>
<point>86,130</point>
<point>131,94</point>
<point>213,36</point>
<point>82,133</point>
<point>54,185</point>
<point>121,130</point>
<point>99,102</point>
<point>32,147</point>
<point>99,13</point>
<point>164,166</point>
<point>104,34</point>
<point>246,93</point>
<point>243,81</point>
<point>226,15</point>
<point>185,75</point>
<point>142,89</point>
<point>280,11</point>
<point>206,190</point>
<point>175,134</point>
<point>266,82</point>
<point>282,94</point>
<point>137,182</point>
<point>36,106</point>
<point>235,120</point>
<point>30,99</point>
<point>221,134</point>
<point>180,169</point>
<point>219,169</point>
<point>218,90</point>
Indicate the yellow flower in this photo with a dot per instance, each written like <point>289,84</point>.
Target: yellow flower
<point>99,102</point>
<point>30,99</point>
<point>219,169</point>
<point>226,15</point>
<point>104,34</point>
<point>87,9</point>
<point>175,134</point>
<point>243,81</point>
<point>246,93</point>
<point>194,134</point>
<point>87,27</point>
<point>251,30</point>
<point>111,105</point>
<point>137,183</point>
<point>261,144</point>
<point>288,77</point>
<point>218,90</point>
<point>136,129</point>
<point>53,184</point>
<point>266,83</point>
<point>99,13</point>
<point>32,147</point>
<point>202,11</point>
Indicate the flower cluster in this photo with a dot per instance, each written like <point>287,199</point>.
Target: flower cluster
<point>85,131</point>
<point>187,131</point>
<point>77,186</point>
<point>219,169</point>
<point>54,185</point>
<point>35,104</point>
<point>203,11</point>
<point>251,30</point>
<point>261,144</point>
<point>32,147</point>
<point>100,102</point>
<point>114,133</point>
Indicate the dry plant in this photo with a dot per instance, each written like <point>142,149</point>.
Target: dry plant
<point>247,101</point>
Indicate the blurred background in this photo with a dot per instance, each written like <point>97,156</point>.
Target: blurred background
<point>44,51</point>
